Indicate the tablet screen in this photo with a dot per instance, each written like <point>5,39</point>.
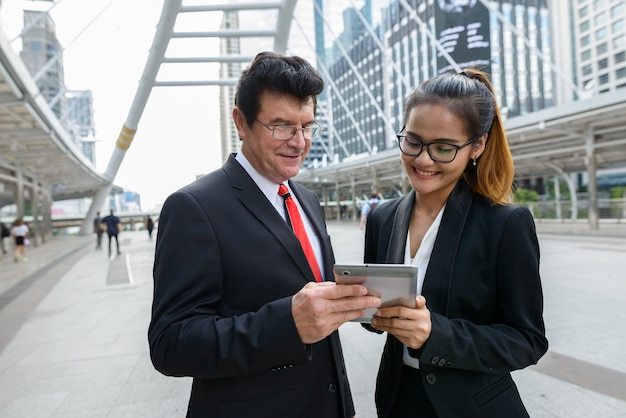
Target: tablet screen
<point>395,284</point>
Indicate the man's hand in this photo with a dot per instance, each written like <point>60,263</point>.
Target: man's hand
<point>411,326</point>
<point>319,309</point>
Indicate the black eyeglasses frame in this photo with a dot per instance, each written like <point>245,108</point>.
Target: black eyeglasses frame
<point>400,136</point>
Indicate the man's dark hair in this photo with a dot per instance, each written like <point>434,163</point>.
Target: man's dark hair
<point>277,74</point>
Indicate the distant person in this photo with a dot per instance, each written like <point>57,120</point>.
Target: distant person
<point>479,315</point>
<point>240,304</point>
<point>4,234</point>
<point>149,225</point>
<point>98,229</point>
<point>19,232</point>
<point>372,202</point>
<point>113,228</point>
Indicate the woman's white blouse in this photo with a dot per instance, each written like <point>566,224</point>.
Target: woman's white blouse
<point>421,261</point>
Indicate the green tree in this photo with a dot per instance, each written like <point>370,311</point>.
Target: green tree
<point>525,195</point>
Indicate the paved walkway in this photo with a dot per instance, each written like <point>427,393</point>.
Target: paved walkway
<point>73,330</point>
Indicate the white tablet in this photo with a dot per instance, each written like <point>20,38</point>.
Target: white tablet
<point>395,284</point>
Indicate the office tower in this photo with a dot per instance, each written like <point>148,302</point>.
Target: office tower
<point>373,74</point>
<point>599,45</point>
<point>79,121</point>
<point>320,42</point>
<point>43,56</point>
<point>230,142</point>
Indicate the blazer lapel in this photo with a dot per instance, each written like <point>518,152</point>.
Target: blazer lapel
<point>249,194</point>
<point>400,228</point>
<point>439,274</point>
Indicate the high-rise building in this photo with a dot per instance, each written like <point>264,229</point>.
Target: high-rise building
<point>43,56</point>
<point>301,42</point>
<point>598,52</point>
<point>320,52</point>
<point>375,69</point>
<point>230,142</point>
<point>79,121</point>
<point>318,154</point>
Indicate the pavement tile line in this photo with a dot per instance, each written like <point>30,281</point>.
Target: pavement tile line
<point>20,300</point>
<point>119,271</point>
<point>584,374</point>
<point>90,357</point>
<point>21,286</point>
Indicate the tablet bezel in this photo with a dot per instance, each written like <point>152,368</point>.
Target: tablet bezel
<point>395,284</point>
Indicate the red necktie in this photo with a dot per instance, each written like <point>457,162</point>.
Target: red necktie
<point>298,229</point>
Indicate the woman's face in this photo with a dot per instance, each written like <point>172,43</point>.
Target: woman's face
<point>435,123</point>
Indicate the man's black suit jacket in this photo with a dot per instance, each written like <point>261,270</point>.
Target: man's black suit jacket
<point>226,267</point>
<point>483,290</point>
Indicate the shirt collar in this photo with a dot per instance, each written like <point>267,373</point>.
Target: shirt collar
<point>268,187</point>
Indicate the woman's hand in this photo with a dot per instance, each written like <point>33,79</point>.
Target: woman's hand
<point>409,325</point>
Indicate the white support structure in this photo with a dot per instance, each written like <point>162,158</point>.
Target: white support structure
<point>157,52</point>
<point>165,32</point>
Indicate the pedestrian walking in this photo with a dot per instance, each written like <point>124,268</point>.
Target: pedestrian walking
<point>98,229</point>
<point>19,232</point>
<point>371,203</point>
<point>113,227</point>
<point>149,225</point>
<point>4,233</point>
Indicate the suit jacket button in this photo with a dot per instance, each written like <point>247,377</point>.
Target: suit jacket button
<point>434,360</point>
<point>332,388</point>
<point>442,362</point>
<point>431,379</point>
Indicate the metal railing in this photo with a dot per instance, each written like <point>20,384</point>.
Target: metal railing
<point>608,209</point>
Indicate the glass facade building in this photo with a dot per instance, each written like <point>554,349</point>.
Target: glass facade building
<point>373,76</point>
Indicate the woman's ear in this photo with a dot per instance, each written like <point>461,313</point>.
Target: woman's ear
<point>479,146</point>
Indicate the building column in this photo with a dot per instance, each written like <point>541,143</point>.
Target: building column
<point>592,186</point>
<point>34,211</point>
<point>46,215</point>
<point>557,197</point>
<point>355,209</point>
<point>375,183</point>
<point>338,199</point>
<point>326,200</point>
<point>19,194</point>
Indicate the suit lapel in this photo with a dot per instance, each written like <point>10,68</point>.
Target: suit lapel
<point>400,228</point>
<point>310,209</point>
<point>438,277</point>
<point>249,194</point>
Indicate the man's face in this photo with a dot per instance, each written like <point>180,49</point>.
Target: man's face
<point>277,160</point>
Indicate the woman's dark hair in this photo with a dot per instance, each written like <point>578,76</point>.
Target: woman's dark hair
<point>469,95</point>
<point>276,73</point>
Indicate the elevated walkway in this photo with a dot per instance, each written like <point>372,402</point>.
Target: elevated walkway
<point>73,330</point>
<point>35,149</point>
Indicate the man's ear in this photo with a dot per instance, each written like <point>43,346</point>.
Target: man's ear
<point>240,122</point>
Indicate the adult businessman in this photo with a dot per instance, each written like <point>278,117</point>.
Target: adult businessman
<point>113,227</point>
<point>236,303</point>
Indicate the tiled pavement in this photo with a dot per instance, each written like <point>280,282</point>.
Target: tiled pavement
<point>73,330</point>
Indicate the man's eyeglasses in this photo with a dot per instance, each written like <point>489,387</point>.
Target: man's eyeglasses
<point>286,132</point>
<point>438,151</point>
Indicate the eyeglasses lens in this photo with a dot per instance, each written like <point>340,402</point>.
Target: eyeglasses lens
<point>285,133</point>
<point>441,152</point>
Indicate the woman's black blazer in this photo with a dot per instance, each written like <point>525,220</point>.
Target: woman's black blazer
<point>483,290</point>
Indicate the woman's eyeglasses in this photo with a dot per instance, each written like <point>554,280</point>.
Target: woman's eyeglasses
<point>442,152</point>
